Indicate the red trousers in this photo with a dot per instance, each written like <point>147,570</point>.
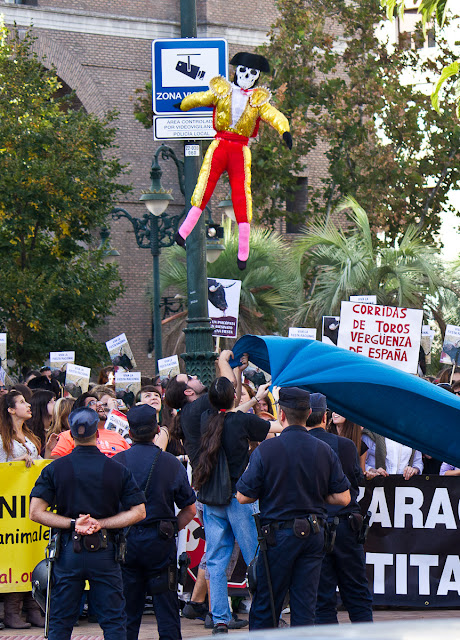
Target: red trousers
<point>234,157</point>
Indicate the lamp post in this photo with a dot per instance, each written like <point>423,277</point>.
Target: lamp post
<point>156,231</point>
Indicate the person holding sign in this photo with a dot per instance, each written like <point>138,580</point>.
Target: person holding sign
<point>18,442</point>
<point>385,457</point>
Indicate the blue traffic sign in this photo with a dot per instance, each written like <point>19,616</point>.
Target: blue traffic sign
<point>183,66</point>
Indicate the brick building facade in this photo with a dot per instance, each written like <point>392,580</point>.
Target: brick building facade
<point>102,50</point>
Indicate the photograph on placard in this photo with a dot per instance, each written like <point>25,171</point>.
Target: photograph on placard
<point>3,350</point>
<point>77,379</point>
<point>168,367</point>
<point>426,342</point>
<point>120,352</point>
<point>451,347</point>
<point>127,386</point>
<point>223,306</point>
<point>117,421</point>
<point>58,363</point>
<point>330,329</point>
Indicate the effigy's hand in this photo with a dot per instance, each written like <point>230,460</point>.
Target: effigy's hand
<point>287,139</point>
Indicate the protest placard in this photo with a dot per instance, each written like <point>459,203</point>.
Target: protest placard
<point>117,421</point>
<point>76,379</point>
<point>3,350</point>
<point>369,299</point>
<point>22,542</point>
<point>223,306</point>
<point>427,341</point>
<point>128,383</point>
<point>330,329</point>
<point>451,347</point>
<point>58,359</point>
<point>169,366</point>
<point>120,352</point>
<point>302,332</point>
<point>389,334</point>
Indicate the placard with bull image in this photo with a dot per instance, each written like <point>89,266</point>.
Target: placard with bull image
<point>120,352</point>
<point>223,306</point>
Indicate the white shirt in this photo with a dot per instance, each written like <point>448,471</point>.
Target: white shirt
<point>397,458</point>
<point>19,450</point>
<point>239,101</point>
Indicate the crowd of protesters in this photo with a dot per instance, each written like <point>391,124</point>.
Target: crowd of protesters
<point>236,415</point>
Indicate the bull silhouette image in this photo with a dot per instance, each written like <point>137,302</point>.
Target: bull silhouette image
<point>216,294</point>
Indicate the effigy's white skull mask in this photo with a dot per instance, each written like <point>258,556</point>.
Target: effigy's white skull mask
<point>246,77</point>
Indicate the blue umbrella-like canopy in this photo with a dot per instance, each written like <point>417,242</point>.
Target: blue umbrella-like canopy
<point>370,393</point>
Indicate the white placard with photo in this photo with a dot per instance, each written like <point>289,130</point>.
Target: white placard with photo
<point>59,358</point>
<point>77,379</point>
<point>223,306</point>
<point>451,347</point>
<point>120,352</point>
<point>169,366</point>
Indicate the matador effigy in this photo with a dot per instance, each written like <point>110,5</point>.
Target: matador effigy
<point>238,108</point>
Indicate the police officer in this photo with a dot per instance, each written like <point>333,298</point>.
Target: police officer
<point>345,566</point>
<point>151,562</point>
<point>86,489</point>
<point>293,476</point>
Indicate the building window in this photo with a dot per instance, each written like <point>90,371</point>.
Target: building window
<point>410,35</point>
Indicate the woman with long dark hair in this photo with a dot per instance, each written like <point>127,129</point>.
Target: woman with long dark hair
<point>17,442</point>
<point>42,406</point>
<point>223,430</point>
<point>343,427</point>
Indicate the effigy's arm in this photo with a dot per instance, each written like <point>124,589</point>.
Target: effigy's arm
<point>198,99</point>
<point>274,118</point>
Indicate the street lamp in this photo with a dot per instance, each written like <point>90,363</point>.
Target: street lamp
<point>156,231</point>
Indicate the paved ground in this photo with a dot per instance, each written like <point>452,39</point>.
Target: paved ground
<point>195,629</point>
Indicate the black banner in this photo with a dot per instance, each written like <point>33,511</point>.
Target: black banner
<point>413,544</point>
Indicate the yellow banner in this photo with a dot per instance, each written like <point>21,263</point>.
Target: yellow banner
<point>22,542</point>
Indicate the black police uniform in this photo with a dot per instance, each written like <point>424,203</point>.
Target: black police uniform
<point>151,544</point>
<point>345,567</point>
<point>291,475</point>
<point>86,481</point>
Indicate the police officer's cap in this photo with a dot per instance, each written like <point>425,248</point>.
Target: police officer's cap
<point>318,402</point>
<point>83,422</point>
<point>294,398</point>
<point>142,420</point>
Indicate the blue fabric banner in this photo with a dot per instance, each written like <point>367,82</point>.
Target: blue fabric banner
<point>370,393</point>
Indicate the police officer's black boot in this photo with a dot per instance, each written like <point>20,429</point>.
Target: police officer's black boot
<point>12,603</point>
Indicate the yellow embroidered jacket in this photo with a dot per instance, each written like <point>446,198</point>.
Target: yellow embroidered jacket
<point>257,107</point>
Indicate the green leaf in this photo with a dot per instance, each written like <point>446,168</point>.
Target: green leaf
<point>449,71</point>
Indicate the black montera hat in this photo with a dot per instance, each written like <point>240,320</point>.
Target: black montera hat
<point>83,422</point>
<point>294,398</point>
<point>251,60</point>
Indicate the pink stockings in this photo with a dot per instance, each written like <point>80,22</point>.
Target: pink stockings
<point>244,229</point>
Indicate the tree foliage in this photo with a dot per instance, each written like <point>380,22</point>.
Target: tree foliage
<point>341,263</point>
<point>431,11</point>
<point>342,89</point>
<point>271,286</point>
<point>58,180</point>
